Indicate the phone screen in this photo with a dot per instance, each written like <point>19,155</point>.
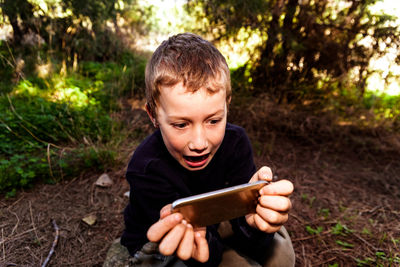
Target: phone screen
<point>220,205</point>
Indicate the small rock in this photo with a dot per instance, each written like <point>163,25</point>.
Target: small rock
<point>126,194</point>
<point>117,255</point>
<point>104,180</point>
<point>90,219</point>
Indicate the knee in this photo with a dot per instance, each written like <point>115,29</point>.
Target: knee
<point>280,252</point>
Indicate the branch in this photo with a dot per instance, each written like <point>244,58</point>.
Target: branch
<point>54,244</point>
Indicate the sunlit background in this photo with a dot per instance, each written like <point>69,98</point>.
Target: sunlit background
<point>170,18</point>
<point>386,64</point>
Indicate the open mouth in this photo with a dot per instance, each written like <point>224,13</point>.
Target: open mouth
<point>196,161</point>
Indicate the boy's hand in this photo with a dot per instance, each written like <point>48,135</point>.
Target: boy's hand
<point>175,235</point>
<point>274,203</point>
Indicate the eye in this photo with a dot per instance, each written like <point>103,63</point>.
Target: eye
<point>179,125</point>
<point>214,121</point>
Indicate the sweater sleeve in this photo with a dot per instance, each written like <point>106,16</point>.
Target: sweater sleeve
<point>148,194</point>
<point>146,201</point>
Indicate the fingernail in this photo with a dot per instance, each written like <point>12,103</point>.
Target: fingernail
<point>184,222</point>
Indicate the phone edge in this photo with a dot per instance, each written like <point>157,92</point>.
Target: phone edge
<point>207,195</point>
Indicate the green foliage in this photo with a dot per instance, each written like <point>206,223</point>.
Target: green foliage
<point>314,231</point>
<point>340,229</point>
<point>82,158</point>
<point>20,170</point>
<point>28,124</point>
<point>384,107</point>
<point>123,78</point>
<point>325,213</point>
<point>59,126</point>
<point>344,244</point>
<point>301,43</point>
<point>366,231</point>
<point>74,30</point>
<point>314,54</point>
<point>381,259</point>
<point>306,198</point>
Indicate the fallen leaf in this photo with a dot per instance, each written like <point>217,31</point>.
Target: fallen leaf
<point>90,219</point>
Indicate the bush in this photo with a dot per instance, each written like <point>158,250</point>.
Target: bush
<point>57,127</point>
<point>31,123</point>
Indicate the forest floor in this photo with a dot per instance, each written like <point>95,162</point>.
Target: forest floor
<point>346,203</point>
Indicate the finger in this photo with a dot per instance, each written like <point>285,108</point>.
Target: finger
<point>271,216</point>
<point>201,252</point>
<point>165,211</point>
<point>282,187</point>
<point>277,203</point>
<point>264,173</point>
<point>185,249</point>
<point>171,240</point>
<point>201,230</point>
<point>160,228</point>
<point>250,220</point>
<point>264,226</point>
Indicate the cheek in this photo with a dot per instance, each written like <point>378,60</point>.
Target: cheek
<point>217,137</point>
<point>177,144</point>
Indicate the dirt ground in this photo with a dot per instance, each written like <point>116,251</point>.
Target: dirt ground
<point>346,204</point>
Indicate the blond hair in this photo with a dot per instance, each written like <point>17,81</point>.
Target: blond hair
<point>189,59</point>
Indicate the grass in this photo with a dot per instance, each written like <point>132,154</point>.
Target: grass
<point>60,125</point>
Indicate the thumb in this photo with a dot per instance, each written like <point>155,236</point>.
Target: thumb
<point>264,173</point>
<point>165,211</point>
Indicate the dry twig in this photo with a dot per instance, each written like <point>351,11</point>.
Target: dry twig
<point>14,203</point>
<point>33,222</point>
<point>325,261</point>
<point>12,237</point>
<point>302,238</point>
<point>49,161</point>
<point>53,245</point>
<point>365,242</point>
<point>2,241</point>
<point>16,225</point>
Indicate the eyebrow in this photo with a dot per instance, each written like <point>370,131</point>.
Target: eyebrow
<point>217,113</point>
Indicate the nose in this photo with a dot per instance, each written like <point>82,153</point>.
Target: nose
<point>198,141</point>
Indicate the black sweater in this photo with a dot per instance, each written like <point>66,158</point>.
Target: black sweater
<point>157,179</point>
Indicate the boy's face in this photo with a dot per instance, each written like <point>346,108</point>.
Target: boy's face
<point>192,124</point>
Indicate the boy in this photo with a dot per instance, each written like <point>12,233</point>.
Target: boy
<point>194,150</point>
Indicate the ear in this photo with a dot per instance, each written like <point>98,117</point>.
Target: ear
<point>228,102</point>
<point>151,115</point>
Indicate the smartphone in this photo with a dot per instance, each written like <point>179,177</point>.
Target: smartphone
<point>220,205</point>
